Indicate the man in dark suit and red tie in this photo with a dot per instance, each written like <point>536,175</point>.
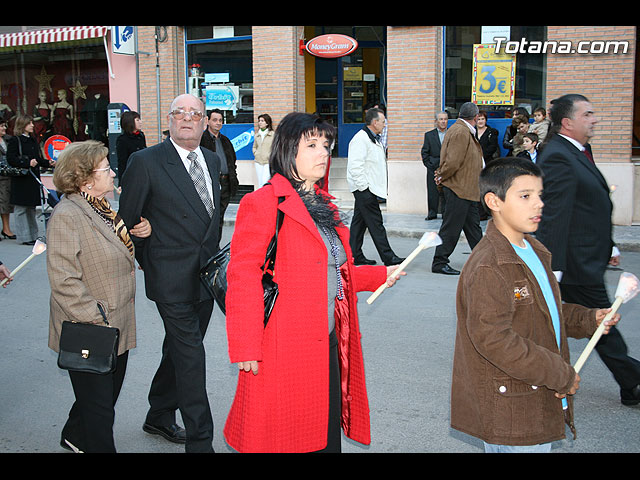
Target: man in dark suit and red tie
<point>576,227</point>
<point>175,185</point>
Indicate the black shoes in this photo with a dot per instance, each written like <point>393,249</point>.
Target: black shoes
<point>394,261</point>
<point>630,396</point>
<point>363,261</point>
<point>32,242</point>
<point>10,237</point>
<point>431,216</point>
<point>173,433</point>
<point>446,270</point>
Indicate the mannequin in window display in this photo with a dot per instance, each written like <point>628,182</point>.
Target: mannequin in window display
<point>63,116</point>
<point>42,117</point>
<point>94,116</point>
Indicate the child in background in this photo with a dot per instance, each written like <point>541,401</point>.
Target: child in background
<point>521,123</point>
<point>512,381</point>
<point>530,147</point>
<point>540,125</point>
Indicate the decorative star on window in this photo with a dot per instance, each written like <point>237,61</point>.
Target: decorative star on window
<point>78,90</point>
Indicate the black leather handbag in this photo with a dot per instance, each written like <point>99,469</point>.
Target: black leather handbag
<point>268,285</point>
<point>214,274</point>
<point>7,170</point>
<point>87,347</point>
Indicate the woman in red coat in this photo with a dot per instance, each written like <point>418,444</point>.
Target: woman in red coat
<point>302,376</point>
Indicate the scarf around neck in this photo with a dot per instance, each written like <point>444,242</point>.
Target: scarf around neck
<point>102,207</point>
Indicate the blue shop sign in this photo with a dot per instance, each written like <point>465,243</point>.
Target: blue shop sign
<point>224,97</point>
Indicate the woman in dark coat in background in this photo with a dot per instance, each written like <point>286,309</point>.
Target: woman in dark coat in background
<point>23,151</point>
<point>131,140</point>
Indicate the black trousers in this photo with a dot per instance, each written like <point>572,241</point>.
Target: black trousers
<point>90,423</point>
<point>225,198</point>
<point>611,348</point>
<point>367,215</point>
<point>180,381</point>
<point>459,215</point>
<point>435,198</point>
<point>334,432</point>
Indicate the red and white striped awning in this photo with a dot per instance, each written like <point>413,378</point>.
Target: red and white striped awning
<point>51,35</point>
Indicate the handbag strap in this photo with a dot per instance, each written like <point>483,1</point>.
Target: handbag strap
<point>270,258</point>
<point>104,317</point>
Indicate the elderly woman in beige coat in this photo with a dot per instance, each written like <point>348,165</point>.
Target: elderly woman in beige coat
<point>90,261</point>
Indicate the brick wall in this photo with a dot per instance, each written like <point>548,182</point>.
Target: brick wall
<point>606,80</point>
<point>172,77</point>
<point>278,71</point>
<point>414,77</point>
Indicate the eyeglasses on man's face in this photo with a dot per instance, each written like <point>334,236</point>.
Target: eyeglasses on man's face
<point>179,114</point>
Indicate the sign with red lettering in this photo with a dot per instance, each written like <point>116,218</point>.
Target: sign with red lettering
<point>332,45</point>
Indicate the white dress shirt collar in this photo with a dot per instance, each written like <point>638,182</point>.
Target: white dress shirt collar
<point>576,143</point>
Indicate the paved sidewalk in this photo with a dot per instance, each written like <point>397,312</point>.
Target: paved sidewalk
<point>414,226</point>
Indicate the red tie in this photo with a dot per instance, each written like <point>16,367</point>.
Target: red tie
<point>588,155</point>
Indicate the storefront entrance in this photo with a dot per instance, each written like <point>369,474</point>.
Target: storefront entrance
<point>341,89</point>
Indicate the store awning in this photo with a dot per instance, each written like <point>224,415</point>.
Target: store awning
<point>51,35</point>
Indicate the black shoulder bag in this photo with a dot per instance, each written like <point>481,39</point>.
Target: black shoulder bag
<point>214,274</point>
<point>7,170</point>
<point>87,347</point>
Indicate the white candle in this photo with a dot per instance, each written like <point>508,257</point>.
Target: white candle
<point>38,248</point>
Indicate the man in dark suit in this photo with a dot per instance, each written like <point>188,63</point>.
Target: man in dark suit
<point>431,159</point>
<point>175,185</point>
<point>576,227</point>
<point>221,146</point>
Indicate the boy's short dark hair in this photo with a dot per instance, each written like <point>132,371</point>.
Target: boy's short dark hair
<point>541,110</point>
<point>498,176</point>
<point>532,136</point>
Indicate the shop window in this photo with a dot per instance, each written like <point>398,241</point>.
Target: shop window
<point>221,70</point>
<point>65,89</point>
<point>529,73</point>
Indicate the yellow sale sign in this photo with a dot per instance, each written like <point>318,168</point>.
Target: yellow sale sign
<point>494,76</point>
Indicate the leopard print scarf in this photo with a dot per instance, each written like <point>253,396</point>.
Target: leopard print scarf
<point>102,207</point>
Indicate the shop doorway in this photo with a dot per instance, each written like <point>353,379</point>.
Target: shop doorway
<point>340,89</point>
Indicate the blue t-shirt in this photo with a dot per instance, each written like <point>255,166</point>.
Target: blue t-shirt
<point>529,257</point>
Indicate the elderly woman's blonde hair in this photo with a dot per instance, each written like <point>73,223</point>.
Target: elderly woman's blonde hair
<point>76,163</point>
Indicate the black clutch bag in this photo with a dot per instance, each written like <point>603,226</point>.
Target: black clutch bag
<point>214,274</point>
<point>89,348</point>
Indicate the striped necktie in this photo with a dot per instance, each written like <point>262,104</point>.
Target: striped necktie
<point>197,175</point>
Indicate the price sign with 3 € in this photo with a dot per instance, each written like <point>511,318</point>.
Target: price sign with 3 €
<point>494,76</point>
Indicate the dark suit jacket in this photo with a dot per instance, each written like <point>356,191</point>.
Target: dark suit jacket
<point>431,149</point>
<point>576,218</point>
<point>156,186</point>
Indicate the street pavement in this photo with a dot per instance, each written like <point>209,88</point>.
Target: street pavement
<point>407,335</point>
